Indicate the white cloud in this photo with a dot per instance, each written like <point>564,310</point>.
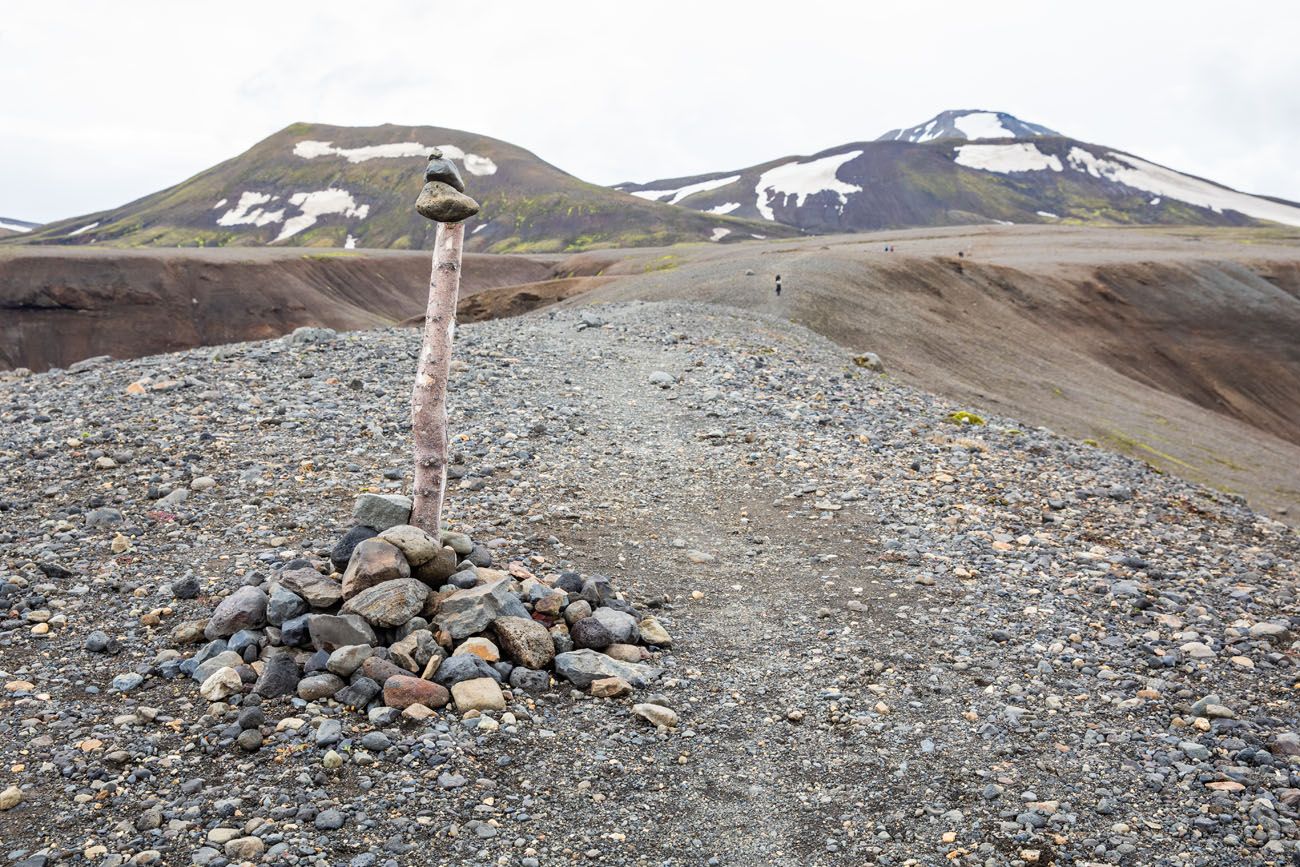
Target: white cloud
<point>1228,114</point>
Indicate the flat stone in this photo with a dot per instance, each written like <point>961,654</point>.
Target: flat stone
<point>443,203</point>
<point>347,659</point>
<point>401,691</point>
<point>524,641</point>
<point>318,590</point>
<point>466,612</point>
<point>329,632</point>
<point>373,562</point>
<point>381,511</point>
<point>243,609</point>
<point>583,667</point>
<point>389,604</point>
<point>481,693</point>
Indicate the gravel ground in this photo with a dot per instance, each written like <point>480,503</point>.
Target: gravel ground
<point>897,639</point>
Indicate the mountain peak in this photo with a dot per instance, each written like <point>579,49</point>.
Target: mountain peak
<point>969,124</point>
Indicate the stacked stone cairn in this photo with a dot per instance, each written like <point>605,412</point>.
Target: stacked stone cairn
<point>415,624</point>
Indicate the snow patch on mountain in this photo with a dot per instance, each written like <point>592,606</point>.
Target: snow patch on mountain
<point>219,205</point>
<point>474,163</point>
<point>719,233</point>
<point>969,124</point>
<point>317,204</point>
<point>679,193</point>
<point>249,213</point>
<point>14,227</point>
<point>802,180</point>
<point>724,209</point>
<point>83,229</point>
<point>1019,157</point>
<point>1162,182</point>
<point>982,124</point>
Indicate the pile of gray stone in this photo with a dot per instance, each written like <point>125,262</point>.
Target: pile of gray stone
<point>402,620</point>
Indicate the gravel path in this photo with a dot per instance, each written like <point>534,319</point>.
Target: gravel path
<point>897,639</point>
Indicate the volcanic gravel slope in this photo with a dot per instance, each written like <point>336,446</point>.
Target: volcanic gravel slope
<point>897,640</point>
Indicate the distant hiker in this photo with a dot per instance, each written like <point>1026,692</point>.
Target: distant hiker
<point>961,254</point>
<point>778,285</point>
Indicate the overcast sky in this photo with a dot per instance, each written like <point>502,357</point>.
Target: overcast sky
<point>104,102</point>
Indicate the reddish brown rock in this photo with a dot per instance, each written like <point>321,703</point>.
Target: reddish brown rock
<point>402,691</point>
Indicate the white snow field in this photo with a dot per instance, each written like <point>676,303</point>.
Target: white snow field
<point>317,204</point>
<point>680,193</point>
<point>1137,174</point>
<point>474,164</point>
<point>982,124</point>
<point>249,213</point>
<point>1019,157</point>
<point>802,180</point>
<point>1162,182</point>
<point>14,227</point>
<point>85,228</point>
<point>719,233</point>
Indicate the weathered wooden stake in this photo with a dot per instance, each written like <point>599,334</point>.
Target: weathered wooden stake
<point>442,200</point>
<point>429,396</point>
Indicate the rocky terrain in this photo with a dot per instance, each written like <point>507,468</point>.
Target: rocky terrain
<point>962,168</point>
<point>906,630</point>
<point>317,185</point>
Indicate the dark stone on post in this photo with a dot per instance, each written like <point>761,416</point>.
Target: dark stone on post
<point>444,171</point>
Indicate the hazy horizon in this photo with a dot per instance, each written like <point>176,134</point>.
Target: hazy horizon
<point>141,99</point>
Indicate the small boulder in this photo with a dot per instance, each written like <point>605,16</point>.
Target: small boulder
<point>315,588</point>
<point>243,609</point>
<point>482,693</point>
<point>381,511</point>
<point>525,641</point>
<point>342,550</point>
<point>417,546</point>
<point>401,690</point>
<point>480,647</point>
<point>373,562</point>
<point>589,633</point>
<point>389,604</point>
<point>583,667</point>
<point>329,632</point>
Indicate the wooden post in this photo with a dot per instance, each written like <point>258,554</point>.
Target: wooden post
<point>429,395</point>
<point>442,200</point>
